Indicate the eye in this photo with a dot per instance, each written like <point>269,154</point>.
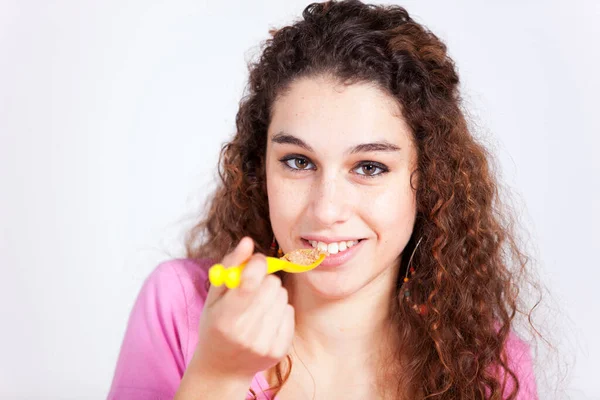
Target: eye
<point>370,169</point>
<point>297,163</point>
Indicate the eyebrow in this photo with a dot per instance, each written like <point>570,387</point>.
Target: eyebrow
<point>380,146</point>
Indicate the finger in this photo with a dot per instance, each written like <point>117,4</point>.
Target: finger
<point>271,317</point>
<point>260,306</point>
<point>269,292</point>
<point>239,255</point>
<point>253,274</point>
<point>242,252</point>
<point>285,334</point>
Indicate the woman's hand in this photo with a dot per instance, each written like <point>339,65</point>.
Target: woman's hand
<point>248,329</point>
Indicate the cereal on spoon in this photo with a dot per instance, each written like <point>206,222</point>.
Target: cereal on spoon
<point>304,256</point>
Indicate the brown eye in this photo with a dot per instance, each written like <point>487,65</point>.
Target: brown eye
<point>300,163</point>
<point>370,169</point>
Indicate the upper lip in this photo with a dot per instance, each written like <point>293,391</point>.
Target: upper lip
<point>330,239</point>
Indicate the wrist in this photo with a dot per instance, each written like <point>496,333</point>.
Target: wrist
<point>206,365</point>
<point>212,383</point>
<point>232,378</point>
<point>207,385</point>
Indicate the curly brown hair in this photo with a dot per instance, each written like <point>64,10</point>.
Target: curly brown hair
<point>469,263</point>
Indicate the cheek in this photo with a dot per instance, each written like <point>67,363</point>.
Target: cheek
<point>392,212</point>
<point>285,202</point>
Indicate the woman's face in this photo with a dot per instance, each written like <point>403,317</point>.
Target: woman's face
<point>338,166</point>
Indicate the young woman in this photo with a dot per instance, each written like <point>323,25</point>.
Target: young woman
<point>351,138</point>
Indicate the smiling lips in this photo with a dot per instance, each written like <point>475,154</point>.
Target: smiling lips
<point>333,247</point>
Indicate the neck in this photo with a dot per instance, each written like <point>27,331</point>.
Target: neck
<point>353,329</point>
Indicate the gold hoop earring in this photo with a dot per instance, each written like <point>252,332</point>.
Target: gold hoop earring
<point>421,309</point>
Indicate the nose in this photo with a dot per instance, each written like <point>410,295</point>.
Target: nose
<point>330,200</point>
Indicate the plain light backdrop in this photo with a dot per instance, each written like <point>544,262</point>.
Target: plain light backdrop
<point>112,114</point>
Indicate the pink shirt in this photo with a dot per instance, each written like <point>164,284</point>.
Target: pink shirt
<point>161,337</point>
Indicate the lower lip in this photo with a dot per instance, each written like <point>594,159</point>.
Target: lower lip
<point>335,260</point>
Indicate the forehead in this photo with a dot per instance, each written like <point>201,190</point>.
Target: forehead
<point>323,108</point>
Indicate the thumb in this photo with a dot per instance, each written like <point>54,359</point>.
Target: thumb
<point>242,252</point>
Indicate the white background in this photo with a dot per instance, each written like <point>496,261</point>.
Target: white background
<point>112,114</point>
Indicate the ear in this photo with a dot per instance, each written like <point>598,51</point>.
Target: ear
<point>414,184</point>
<point>415,178</point>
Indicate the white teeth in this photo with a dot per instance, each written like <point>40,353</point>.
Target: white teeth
<point>332,248</point>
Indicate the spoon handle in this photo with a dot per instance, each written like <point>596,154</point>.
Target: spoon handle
<point>218,274</point>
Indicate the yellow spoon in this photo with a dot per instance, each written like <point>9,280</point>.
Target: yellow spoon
<point>219,274</point>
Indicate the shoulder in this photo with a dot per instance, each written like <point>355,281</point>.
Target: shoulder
<point>517,350</point>
<point>185,270</point>
<point>161,333</point>
<point>168,307</point>
<point>520,361</point>
<point>181,276</point>
<point>178,290</point>
<point>177,285</point>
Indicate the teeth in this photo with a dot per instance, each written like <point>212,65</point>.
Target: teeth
<point>333,248</point>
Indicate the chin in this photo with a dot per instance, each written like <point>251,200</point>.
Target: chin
<point>329,285</point>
